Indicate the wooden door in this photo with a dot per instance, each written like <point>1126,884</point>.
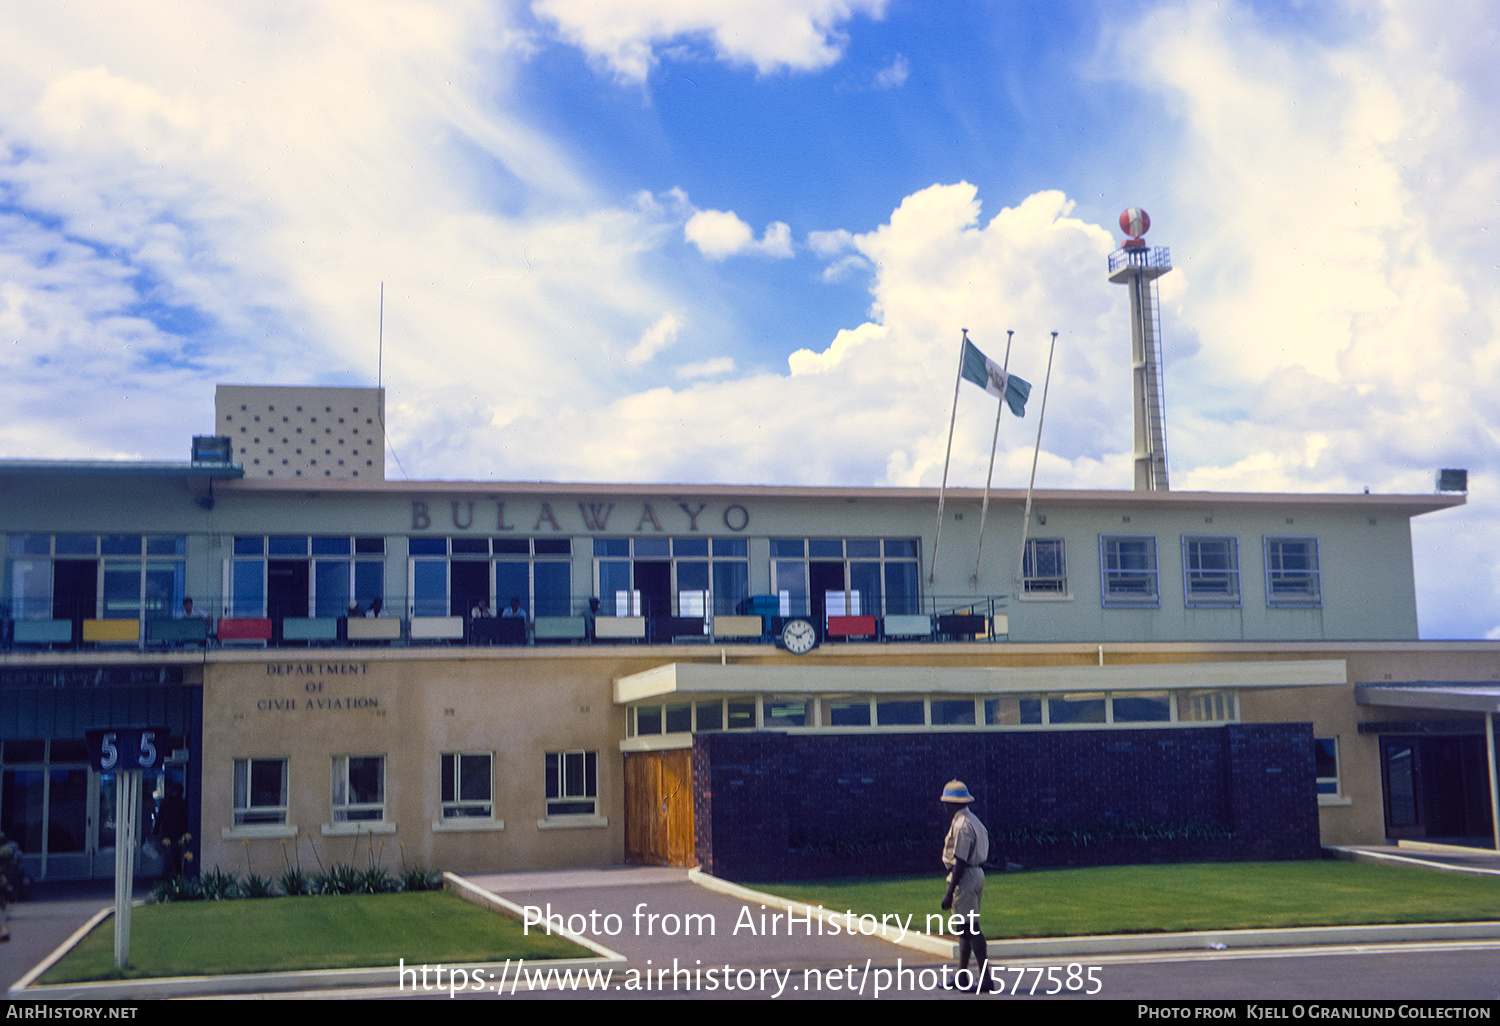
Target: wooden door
<point>659,808</point>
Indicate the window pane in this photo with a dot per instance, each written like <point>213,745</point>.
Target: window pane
<point>689,547</point>
<point>288,546</point>
<point>430,587</point>
<point>864,585</point>
<point>330,546</point>
<point>862,548</point>
<point>741,715</point>
<point>471,546</point>
<point>791,588</point>
<point>1012,710</point>
<point>512,580</point>
<point>249,546</point>
<point>122,590</point>
<point>647,720</point>
<point>369,582</point>
<point>512,547</point>
<point>653,548</point>
<point>952,712</point>
<point>374,546</point>
<point>1080,708</point>
<point>679,718</point>
<point>1143,707</point>
<point>331,579</point>
<point>428,546</point>
<point>554,546</point>
<point>731,547</point>
<point>248,587</point>
<point>900,548</point>
<point>77,544</point>
<point>731,587</point>
<point>120,545</point>
<point>614,581</point>
<point>781,714</point>
<point>554,595</point>
<point>900,712</point>
<point>826,548</point>
<point>165,588</point>
<point>367,780</point>
<point>710,716</point>
<point>474,778</point>
<point>612,547</point>
<point>847,712</point>
<point>787,548</point>
<point>901,595</point>
<point>265,782</point>
<point>31,545</point>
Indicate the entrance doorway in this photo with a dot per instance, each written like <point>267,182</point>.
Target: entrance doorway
<point>1436,788</point>
<point>659,808</point>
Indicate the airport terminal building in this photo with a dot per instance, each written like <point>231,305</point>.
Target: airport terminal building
<point>762,680</point>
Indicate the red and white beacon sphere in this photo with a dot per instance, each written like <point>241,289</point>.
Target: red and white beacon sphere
<point>1135,222</point>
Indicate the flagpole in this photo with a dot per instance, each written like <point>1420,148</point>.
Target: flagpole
<point>937,536</point>
<point>1042,416</point>
<point>984,508</point>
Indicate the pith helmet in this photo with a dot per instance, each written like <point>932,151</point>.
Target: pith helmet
<point>955,791</point>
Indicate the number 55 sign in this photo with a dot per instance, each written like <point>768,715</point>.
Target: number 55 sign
<point>121,749</point>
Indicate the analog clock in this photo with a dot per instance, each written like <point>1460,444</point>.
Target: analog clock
<point>799,637</point>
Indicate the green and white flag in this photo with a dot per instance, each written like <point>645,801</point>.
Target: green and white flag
<point>991,377</point>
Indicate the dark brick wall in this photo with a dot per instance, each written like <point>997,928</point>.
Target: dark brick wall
<point>777,806</point>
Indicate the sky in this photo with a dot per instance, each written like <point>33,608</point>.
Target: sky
<point>663,240</point>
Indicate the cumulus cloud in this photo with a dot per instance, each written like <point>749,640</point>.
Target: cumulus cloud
<point>654,339</point>
<point>893,75</point>
<point>627,36</point>
<point>719,234</point>
<point>717,367</point>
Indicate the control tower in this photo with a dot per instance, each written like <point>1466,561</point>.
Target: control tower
<point>1137,266</point>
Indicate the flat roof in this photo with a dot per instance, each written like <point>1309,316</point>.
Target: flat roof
<point>1412,505</point>
<point>1456,696</point>
<point>709,678</point>
<point>128,468</point>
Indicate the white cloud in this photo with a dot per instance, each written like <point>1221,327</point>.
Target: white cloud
<point>830,243</point>
<point>720,233</point>
<point>894,75</point>
<point>627,36</point>
<point>654,339</point>
<point>717,367</point>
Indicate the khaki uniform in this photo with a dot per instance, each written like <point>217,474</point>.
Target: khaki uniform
<point>968,840</point>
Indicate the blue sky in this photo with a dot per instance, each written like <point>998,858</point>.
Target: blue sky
<point>666,240</point>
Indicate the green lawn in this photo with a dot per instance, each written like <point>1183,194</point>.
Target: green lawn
<point>1205,896</point>
<point>196,938</point>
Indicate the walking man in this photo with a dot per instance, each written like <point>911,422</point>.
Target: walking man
<point>964,851</point>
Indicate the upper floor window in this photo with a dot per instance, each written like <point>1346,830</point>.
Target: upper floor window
<point>1128,570</point>
<point>846,576</point>
<point>1045,570</point>
<point>1292,574</point>
<point>1210,570</point>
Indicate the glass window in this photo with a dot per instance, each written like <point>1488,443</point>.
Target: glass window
<point>846,711</point>
<point>900,712</point>
<point>250,546</point>
<point>358,788</point>
<point>647,719</point>
<point>120,545</point>
<point>1206,706</point>
<point>1210,571</point>
<point>1293,577</point>
<point>554,546</point>
<point>428,546</point>
<point>1012,710</point>
<point>122,589</point>
<point>731,548</point>
<point>331,547</point>
<point>572,783</point>
<point>787,548</point>
<point>1326,756</point>
<point>741,715</point>
<point>1045,568</point>
<point>287,546</point>
<point>259,791</point>
<point>783,713</point>
<point>679,718</point>
<point>1128,569</point>
<point>429,582</point>
<point>468,785</point>
<point>952,712</point>
<point>247,588</point>
<point>710,716</point>
<point>1085,707</point>
<point>1142,707</point>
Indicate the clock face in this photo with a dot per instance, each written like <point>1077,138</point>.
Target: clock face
<point>799,637</point>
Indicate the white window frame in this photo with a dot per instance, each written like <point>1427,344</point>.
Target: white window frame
<point>1311,594</point>
<point>354,813</point>
<point>457,807</point>
<point>1227,597</point>
<point>1111,579</point>
<point>572,787</point>
<point>248,814</point>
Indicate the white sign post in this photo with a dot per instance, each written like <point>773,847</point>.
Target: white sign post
<point>127,752</point>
